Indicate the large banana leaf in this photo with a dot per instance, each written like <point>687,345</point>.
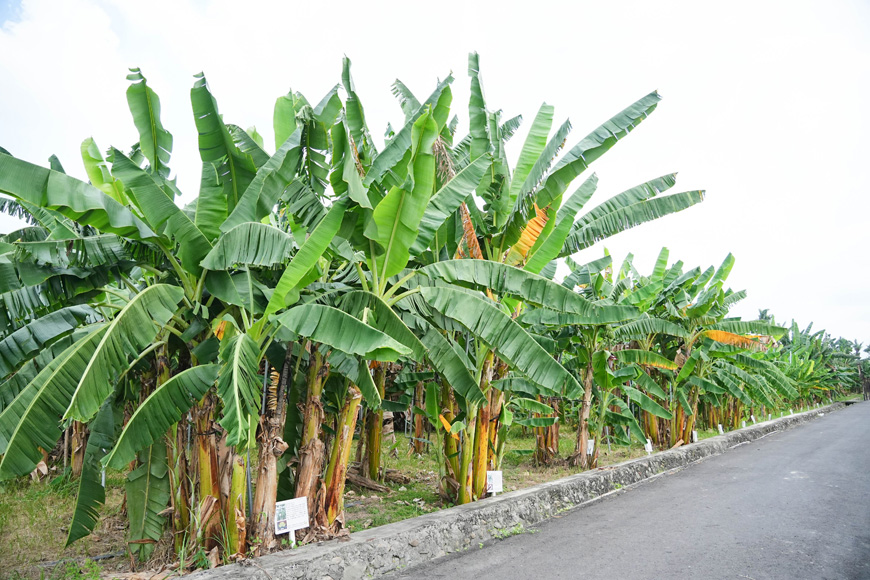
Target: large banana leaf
<point>356,119</point>
<point>98,172</point>
<point>303,261</point>
<point>447,362</point>
<point>211,205</point>
<point>32,421</point>
<point>15,384</point>
<point>749,327</point>
<point>342,331</point>
<point>236,169</point>
<point>628,217</point>
<point>534,289</point>
<point>504,335</point>
<point>628,197</point>
<point>164,407</point>
<point>396,218</point>
<point>399,145</point>
<point>26,342</point>
<point>603,315</point>
<point>593,146</point>
<point>91,493</point>
<point>268,184</point>
<point>645,403</point>
<point>643,327</point>
<point>154,141</point>
<point>646,358</point>
<point>446,201</point>
<point>552,244</point>
<point>103,250</point>
<point>477,118</point>
<point>160,210</point>
<point>533,147</point>
<point>148,494</point>
<point>239,387</point>
<point>284,116</point>
<point>129,333</point>
<point>384,319</point>
<point>250,244</point>
<point>70,197</point>
<point>523,206</point>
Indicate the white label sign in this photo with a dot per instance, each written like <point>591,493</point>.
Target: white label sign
<point>721,430</point>
<point>494,482</point>
<point>790,412</point>
<point>290,515</point>
<point>752,417</point>
<point>694,436</point>
<point>591,447</point>
<point>769,416</point>
<point>648,446</point>
<point>744,424</point>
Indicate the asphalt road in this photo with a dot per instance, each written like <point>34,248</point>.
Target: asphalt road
<point>795,504</point>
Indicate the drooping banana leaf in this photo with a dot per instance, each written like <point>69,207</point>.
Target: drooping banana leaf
<point>91,493</point>
<point>645,358</point>
<point>447,362</point>
<point>250,244</point>
<point>98,172</point>
<point>164,407</point>
<point>26,342</point>
<point>628,217</point>
<point>32,421</point>
<point>70,197</point>
<point>148,494</point>
<point>340,330</point>
<point>126,336</point>
<point>504,336</point>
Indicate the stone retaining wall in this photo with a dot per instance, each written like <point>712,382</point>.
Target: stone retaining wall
<point>376,551</point>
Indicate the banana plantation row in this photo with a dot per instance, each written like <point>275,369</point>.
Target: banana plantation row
<point>229,352</point>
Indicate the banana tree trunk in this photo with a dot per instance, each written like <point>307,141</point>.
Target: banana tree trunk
<point>207,471</point>
<point>466,457</point>
<point>271,447</point>
<point>236,521</point>
<point>580,457</point>
<point>419,399</point>
<point>79,443</point>
<point>450,480</point>
<point>312,449</point>
<point>337,471</point>
<point>481,434</point>
<point>691,419</point>
<point>375,426</point>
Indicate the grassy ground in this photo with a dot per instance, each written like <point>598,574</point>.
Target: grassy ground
<point>34,516</point>
<point>34,522</point>
<point>366,509</point>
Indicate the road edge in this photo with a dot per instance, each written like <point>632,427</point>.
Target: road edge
<point>378,551</point>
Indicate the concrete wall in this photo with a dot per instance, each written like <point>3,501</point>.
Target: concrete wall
<point>376,551</point>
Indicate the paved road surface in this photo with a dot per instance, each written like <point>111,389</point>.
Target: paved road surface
<point>795,504</point>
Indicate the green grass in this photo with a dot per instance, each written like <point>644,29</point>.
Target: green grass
<point>34,521</point>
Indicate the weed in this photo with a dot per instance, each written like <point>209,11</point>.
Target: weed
<point>502,533</point>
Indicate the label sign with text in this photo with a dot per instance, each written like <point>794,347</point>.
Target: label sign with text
<point>290,515</point>
<point>494,482</point>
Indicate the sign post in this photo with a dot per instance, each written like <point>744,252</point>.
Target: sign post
<point>291,515</point>
<point>494,482</point>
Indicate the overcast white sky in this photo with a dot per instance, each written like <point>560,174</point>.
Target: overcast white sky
<point>763,106</point>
